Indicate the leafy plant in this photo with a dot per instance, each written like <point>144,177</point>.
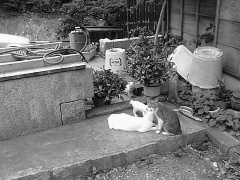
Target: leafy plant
<point>224,120</point>
<point>90,47</point>
<point>222,93</point>
<point>147,65</point>
<point>31,6</point>
<point>203,102</point>
<point>185,97</point>
<point>78,13</point>
<point>108,84</point>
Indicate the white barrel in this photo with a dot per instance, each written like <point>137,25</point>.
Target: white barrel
<point>115,59</point>
<point>206,68</point>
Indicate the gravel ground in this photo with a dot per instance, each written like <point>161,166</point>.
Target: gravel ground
<point>200,161</point>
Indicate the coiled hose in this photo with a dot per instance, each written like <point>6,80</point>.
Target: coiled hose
<point>68,50</point>
<point>21,53</point>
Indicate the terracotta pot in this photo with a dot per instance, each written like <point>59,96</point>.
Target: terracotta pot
<point>98,101</point>
<point>153,90</point>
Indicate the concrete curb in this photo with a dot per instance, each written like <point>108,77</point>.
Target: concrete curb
<point>227,144</point>
<point>117,159</point>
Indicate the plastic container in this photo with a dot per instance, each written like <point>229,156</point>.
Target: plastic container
<point>206,68</point>
<point>78,39</point>
<point>115,59</point>
<point>182,58</point>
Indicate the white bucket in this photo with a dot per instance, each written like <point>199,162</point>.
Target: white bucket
<point>115,59</point>
<point>182,58</point>
<point>206,68</point>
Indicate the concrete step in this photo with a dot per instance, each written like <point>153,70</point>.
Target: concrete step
<point>70,151</point>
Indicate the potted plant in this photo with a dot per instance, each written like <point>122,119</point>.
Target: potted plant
<point>203,103</point>
<point>223,96</point>
<point>107,85</point>
<point>150,64</point>
<point>235,100</point>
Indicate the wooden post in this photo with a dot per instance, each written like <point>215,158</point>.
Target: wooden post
<point>181,17</point>
<point>128,18</point>
<point>168,16</point>
<point>217,23</point>
<point>197,21</point>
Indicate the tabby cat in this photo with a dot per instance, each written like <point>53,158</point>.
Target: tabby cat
<point>167,118</point>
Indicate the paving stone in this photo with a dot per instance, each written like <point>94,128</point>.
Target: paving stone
<point>222,140</point>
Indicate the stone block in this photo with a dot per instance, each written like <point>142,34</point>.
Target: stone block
<point>222,140</point>
<point>32,104</point>
<point>73,112</point>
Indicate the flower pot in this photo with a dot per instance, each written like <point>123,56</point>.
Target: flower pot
<point>235,104</point>
<point>99,101</point>
<point>214,110</point>
<point>222,104</point>
<point>236,96</point>
<point>153,90</point>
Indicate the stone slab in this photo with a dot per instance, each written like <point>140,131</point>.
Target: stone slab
<point>70,151</point>
<point>72,112</point>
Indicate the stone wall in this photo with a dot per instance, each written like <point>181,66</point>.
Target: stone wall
<point>44,99</point>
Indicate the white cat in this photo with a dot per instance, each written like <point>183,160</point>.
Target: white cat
<point>138,107</point>
<point>129,89</point>
<point>127,122</point>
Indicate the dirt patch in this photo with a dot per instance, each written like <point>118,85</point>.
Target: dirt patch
<point>200,161</point>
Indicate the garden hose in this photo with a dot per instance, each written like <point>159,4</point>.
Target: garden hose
<point>67,50</point>
<point>23,53</point>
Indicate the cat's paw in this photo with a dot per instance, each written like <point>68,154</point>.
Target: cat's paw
<point>167,134</point>
<point>158,131</point>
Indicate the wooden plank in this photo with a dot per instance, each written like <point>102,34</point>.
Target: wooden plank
<point>230,10</point>
<point>211,3</point>
<point>174,21</point>
<point>151,16</point>
<point>168,16</point>
<point>230,58</point>
<point>189,24</point>
<point>181,16</point>
<point>197,20</point>
<point>175,6</point>
<point>217,23</point>
<point>229,33</point>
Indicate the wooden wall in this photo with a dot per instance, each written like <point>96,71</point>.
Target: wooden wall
<point>229,36</point>
<point>191,17</point>
<point>196,18</point>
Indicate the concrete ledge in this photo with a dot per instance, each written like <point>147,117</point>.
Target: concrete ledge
<point>71,151</point>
